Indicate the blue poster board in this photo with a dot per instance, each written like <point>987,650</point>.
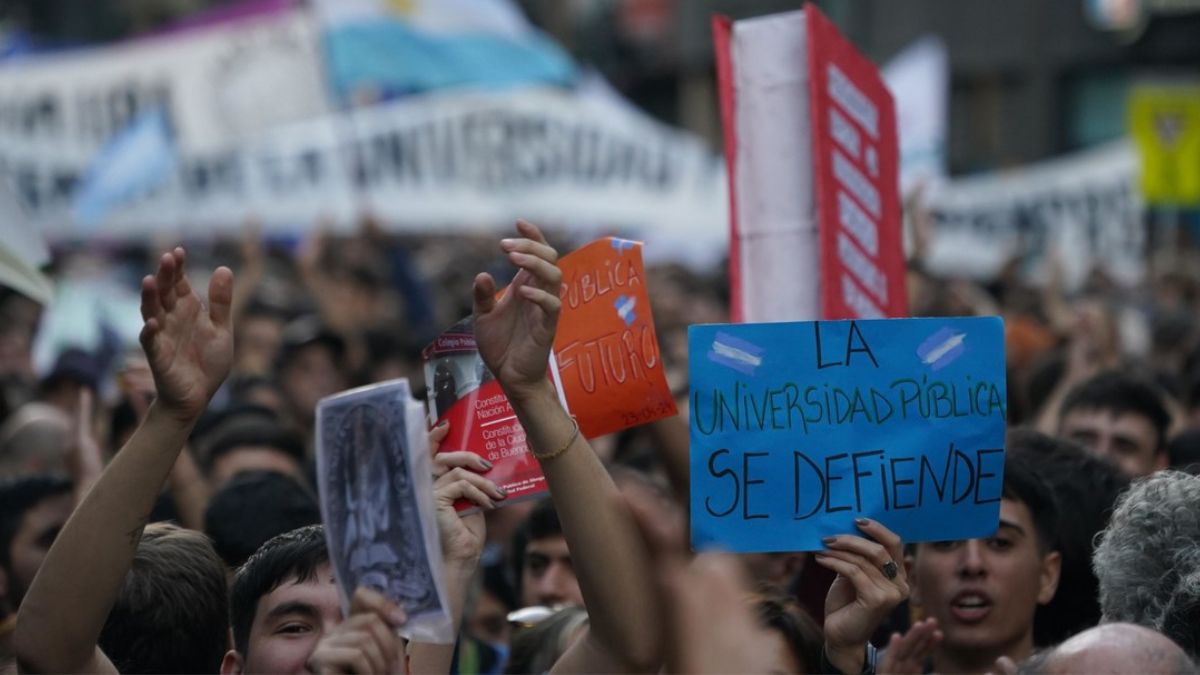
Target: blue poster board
<point>799,428</point>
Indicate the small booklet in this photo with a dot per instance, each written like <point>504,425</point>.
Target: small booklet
<point>376,487</point>
<point>462,391</point>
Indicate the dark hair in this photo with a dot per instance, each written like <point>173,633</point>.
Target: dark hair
<point>250,425</point>
<point>296,554</point>
<point>122,421</point>
<point>18,496</point>
<point>1023,484</point>
<point>279,503</point>
<point>541,523</point>
<point>1184,451</point>
<point>1121,392</point>
<point>242,386</point>
<point>304,332</point>
<point>803,636</point>
<point>1091,486</point>
<point>171,615</point>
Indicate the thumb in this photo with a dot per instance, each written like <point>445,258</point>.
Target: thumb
<point>438,434</point>
<point>220,297</point>
<point>485,293</point>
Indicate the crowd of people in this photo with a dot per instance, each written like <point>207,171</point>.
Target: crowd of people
<point>158,510</point>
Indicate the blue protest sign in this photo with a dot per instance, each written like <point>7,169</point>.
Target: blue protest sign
<point>799,428</point>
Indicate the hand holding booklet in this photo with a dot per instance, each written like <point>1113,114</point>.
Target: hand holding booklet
<point>462,392</point>
<point>605,366</point>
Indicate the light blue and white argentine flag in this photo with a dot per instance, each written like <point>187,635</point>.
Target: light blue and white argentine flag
<point>416,46</point>
<point>135,161</point>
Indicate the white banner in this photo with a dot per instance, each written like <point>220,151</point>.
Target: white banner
<point>454,160</point>
<point>919,79</point>
<point>1085,208</point>
<point>217,83</point>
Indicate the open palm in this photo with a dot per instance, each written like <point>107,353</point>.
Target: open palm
<point>514,334</point>
<point>189,348</point>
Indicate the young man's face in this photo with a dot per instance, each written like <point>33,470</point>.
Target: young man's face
<point>39,527</point>
<point>548,577</point>
<point>1128,439</point>
<point>984,592</point>
<point>311,374</point>
<point>288,623</point>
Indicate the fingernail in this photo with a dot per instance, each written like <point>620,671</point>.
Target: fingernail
<point>397,616</point>
<point>442,423</point>
<point>503,492</point>
<point>486,464</point>
<point>828,540</point>
<point>508,243</point>
<point>861,521</point>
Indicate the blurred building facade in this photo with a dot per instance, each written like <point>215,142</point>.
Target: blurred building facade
<point>1029,78</point>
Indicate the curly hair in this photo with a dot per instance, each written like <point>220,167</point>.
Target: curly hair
<point>1148,560</point>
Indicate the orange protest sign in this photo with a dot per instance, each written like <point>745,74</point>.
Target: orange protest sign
<point>608,356</point>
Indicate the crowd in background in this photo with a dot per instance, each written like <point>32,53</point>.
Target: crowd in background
<point>1100,521</point>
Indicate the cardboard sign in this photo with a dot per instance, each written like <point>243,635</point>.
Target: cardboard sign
<point>857,179</point>
<point>810,143</point>
<point>608,356</point>
<point>799,428</point>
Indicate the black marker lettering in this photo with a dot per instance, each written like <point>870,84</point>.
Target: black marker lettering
<point>712,469</point>
<point>746,483</point>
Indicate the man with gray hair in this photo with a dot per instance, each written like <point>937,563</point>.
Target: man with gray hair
<point>1148,560</point>
<point>1113,648</point>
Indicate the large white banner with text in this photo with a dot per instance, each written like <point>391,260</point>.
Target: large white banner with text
<point>1084,208</point>
<point>453,160</point>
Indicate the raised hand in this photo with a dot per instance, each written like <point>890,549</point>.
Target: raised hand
<point>514,334</point>
<point>710,626</point>
<point>907,654</point>
<point>85,461</point>
<point>189,347</point>
<point>871,582</point>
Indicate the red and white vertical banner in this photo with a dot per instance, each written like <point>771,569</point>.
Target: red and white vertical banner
<point>857,179</point>
<point>810,142</point>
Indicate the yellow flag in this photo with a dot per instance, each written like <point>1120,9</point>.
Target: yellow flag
<point>1165,123</point>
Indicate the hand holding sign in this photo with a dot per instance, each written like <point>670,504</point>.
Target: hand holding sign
<point>366,642</point>
<point>871,582</point>
<point>456,478</point>
<point>514,334</point>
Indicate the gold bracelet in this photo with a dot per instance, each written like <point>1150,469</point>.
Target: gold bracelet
<point>551,455</point>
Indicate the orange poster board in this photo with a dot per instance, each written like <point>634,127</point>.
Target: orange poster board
<point>609,361</point>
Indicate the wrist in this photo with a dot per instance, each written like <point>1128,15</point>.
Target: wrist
<point>160,412</point>
<point>846,659</point>
<point>530,393</point>
<point>462,567</point>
